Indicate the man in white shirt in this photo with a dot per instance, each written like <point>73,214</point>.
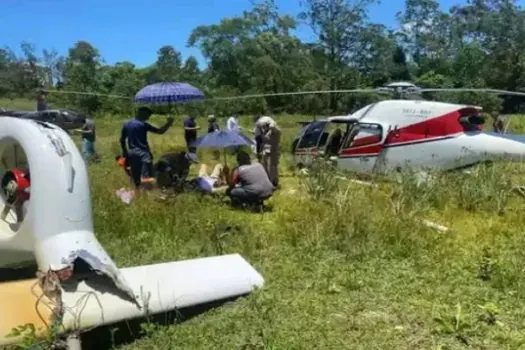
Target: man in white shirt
<point>233,123</point>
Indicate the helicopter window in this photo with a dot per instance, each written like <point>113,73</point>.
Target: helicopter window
<point>363,135</point>
<point>335,138</point>
<point>312,135</point>
<point>471,122</point>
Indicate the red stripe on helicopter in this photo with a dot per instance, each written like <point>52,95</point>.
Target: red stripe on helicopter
<point>435,129</point>
<point>443,126</point>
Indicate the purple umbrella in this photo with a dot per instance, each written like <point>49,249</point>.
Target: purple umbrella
<point>168,93</point>
<point>222,139</point>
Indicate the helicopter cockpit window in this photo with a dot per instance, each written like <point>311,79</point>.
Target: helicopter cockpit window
<point>364,135</point>
<point>312,135</point>
<point>471,122</point>
<point>334,133</point>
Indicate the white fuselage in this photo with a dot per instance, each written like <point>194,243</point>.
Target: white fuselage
<point>443,154</point>
<point>392,135</point>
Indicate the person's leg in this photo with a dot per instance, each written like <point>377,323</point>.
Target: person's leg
<point>274,169</point>
<point>85,149</point>
<point>240,196</point>
<point>135,161</point>
<point>203,170</point>
<point>217,171</point>
<point>265,161</point>
<point>237,195</point>
<point>147,165</point>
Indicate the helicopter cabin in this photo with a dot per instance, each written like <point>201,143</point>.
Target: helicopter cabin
<point>356,141</point>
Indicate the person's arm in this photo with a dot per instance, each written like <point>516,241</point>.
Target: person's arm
<point>191,126</point>
<point>86,130</point>
<point>235,178</point>
<point>162,129</point>
<point>123,142</point>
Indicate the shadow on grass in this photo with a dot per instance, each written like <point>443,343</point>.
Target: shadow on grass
<point>126,332</point>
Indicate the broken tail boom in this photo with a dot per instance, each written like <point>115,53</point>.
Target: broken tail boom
<point>89,301</point>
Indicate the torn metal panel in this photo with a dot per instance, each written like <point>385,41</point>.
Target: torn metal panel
<point>108,269</point>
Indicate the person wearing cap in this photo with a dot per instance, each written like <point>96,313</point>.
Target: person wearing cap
<point>212,124</point>
<point>271,140</point>
<point>138,152</point>
<point>172,169</point>
<point>190,131</point>
<point>261,123</point>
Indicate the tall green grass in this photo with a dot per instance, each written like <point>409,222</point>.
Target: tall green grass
<point>346,266</point>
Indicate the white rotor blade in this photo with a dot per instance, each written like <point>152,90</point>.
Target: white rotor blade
<point>494,91</point>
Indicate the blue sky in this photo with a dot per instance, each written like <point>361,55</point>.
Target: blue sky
<point>134,30</point>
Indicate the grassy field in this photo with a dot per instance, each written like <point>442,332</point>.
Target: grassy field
<point>346,266</point>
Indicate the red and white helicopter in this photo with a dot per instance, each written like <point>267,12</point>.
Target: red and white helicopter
<point>401,133</point>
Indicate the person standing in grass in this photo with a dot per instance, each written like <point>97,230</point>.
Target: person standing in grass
<point>271,141</point>
<point>232,124</point>
<point>88,133</point>
<point>260,124</point>
<point>41,101</point>
<point>212,124</point>
<point>190,131</point>
<point>498,124</point>
<point>138,151</point>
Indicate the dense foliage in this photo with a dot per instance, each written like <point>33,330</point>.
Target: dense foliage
<point>478,44</point>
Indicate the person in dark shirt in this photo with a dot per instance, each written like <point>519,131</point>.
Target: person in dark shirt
<point>138,151</point>
<point>190,131</point>
<point>212,124</point>
<point>498,123</point>
<point>172,169</point>
<point>41,103</point>
<point>88,133</point>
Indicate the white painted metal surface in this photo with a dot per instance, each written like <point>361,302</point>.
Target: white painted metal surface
<point>58,226</point>
<point>90,302</point>
<point>163,287</point>
<point>446,150</point>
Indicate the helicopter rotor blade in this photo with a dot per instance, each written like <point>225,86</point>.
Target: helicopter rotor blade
<point>494,91</point>
<point>84,93</point>
<point>379,90</point>
<point>301,93</point>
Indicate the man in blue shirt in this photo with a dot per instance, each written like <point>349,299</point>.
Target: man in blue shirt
<point>137,151</point>
<point>190,131</point>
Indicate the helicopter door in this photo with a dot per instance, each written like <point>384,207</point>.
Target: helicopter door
<point>308,145</point>
<point>361,148</point>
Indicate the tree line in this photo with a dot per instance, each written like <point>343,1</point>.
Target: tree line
<point>479,44</point>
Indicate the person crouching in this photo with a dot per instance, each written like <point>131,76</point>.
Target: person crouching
<point>250,183</point>
<point>172,169</point>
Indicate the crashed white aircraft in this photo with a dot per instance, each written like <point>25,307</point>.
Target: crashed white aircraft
<point>47,218</point>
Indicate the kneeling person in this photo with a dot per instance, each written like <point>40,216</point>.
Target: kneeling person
<point>250,182</point>
<point>172,169</point>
